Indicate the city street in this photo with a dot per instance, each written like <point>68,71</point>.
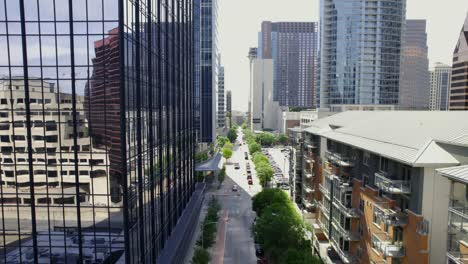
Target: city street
<point>235,243</point>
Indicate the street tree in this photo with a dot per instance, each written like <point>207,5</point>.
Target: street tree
<point>279,228</point>
<point>254,147</point>
<point>266,139</point>
<point>282,139</point>
<point>267,197</point>
<point>227,153</point>
<point>232,135</point>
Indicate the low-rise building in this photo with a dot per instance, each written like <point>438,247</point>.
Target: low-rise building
<point>56,164</point>
<point>371,188</point>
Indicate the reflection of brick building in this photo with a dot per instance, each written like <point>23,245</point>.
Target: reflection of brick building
<point>103,103</point>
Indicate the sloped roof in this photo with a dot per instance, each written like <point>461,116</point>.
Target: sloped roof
<point>411,137</point>
<point>458,173</point>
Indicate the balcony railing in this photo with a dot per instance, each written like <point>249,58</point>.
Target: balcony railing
<point>384,183</point>
<point>388,248</point>
<point>324,209</point>
<point>339,159</point>
<point>392,217</point>
<point>347,209</point>
<point>324,191</point>
<point>346,234</point>
<point>457,257</point>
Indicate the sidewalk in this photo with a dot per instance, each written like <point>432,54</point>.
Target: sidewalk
<point>204,209</point>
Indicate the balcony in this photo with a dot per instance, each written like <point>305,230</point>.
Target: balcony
<point>388,248</point>
<point>346,208</point>
<point>346,234</point>
<point>309,205</point>
<point>457,257</point>
<point>345,256</point>
<point>394,218</point>
<point>324,209</point>
<point>340,159</point>
<point>384,183</point>
<point>324,191</point>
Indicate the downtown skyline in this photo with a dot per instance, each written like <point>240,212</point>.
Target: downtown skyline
<point>442,32</point>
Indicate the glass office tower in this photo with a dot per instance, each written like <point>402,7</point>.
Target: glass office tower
<point>96,128</point>
<point>206,68</point>
<point>360,50</point>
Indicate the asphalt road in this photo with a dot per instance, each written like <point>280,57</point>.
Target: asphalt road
<point>234,243</point>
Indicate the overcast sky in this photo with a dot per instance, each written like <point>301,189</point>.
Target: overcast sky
<point>239,22</point>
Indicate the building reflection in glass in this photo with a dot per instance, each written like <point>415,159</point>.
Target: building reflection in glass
<point>96,128</point>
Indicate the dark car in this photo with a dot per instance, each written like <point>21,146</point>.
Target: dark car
<point>250,182</point>
<point>259,250</point>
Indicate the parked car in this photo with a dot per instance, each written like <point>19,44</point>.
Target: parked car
<point>249,177</point>
<point>236,166</point>
<point>250,182</point>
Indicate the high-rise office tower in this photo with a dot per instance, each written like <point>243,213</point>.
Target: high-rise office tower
<point>206,67</point>
<point>293,48</point>
<point>414,82</point>
<point>441,77</point>
<point>229,107</point>
<point>221,99</point>
<point>360,50</point>
<point>96,131</point>
<point>459,86</point>
<point>253,54</point>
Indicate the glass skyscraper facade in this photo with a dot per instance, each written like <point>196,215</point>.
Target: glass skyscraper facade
<point>360,49</point>
<point>293,48</point>
<point>96,128</point>
<point>414,83</point>
<point>206,68</point>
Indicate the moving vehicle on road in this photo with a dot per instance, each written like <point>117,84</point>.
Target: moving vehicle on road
<point>236,166</point>
<point>234,188</point>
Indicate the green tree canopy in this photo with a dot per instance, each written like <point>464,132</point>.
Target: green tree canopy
<point>227,152</point>
<point>232,135</point>
<point>282,139</point>
<point>267,197</point>
<point>254,147</point>
<point>279,228</point>
<point>222,141</point>
<point>259,157</point>
<point>266,139</point>
<point>264,172</point>
<point>297,256</point>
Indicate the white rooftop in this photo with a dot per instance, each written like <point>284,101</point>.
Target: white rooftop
<point>412,137</point>
<point>458,173</point>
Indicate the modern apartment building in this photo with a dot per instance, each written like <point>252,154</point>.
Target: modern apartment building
<point>221,99</point>
<point>206,67</point>
<point>459,85</point>
<point>96,132</point>
<point>457,238</point>
<point>265,111</point>
<point>441,77</point>
<point>370,186</point>
<point>360,51</point>
<point>293,48</point>
<point>414,84</point>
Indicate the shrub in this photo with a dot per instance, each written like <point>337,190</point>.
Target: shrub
<point>201,256</point>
